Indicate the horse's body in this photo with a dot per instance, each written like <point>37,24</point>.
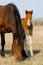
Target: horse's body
<point>28,28</point>
<point>10,22</point>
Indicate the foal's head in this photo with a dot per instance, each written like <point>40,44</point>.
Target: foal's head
<point>29,17</point>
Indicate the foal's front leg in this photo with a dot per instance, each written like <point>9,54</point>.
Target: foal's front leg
<point>2,44</point>
<point>28,43</point>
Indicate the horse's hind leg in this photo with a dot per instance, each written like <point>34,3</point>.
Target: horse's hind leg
<point>2,44</point>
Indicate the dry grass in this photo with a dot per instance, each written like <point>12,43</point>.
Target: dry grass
<point>37,59</point>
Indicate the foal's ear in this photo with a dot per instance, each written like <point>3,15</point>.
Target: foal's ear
<point>32,11</point>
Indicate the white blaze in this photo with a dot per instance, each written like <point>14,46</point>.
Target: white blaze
<point>28,22</point>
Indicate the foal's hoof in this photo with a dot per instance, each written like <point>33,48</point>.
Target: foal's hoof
<point>2,54</point>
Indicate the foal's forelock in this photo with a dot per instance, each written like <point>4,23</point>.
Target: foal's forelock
<point>28,22</point>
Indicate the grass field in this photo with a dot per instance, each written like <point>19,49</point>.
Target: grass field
<point>37,59</point>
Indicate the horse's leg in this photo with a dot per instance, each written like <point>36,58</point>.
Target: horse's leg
<point>30,42</point>
<point>26,45</point>
<point>2,44</point>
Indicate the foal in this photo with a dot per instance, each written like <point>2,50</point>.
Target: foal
<point>28,28</point>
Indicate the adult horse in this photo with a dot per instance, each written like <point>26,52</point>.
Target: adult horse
<point>10,21</point>
<point>28,28</point>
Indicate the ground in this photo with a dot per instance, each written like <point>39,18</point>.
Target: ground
<point>37,59</point>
